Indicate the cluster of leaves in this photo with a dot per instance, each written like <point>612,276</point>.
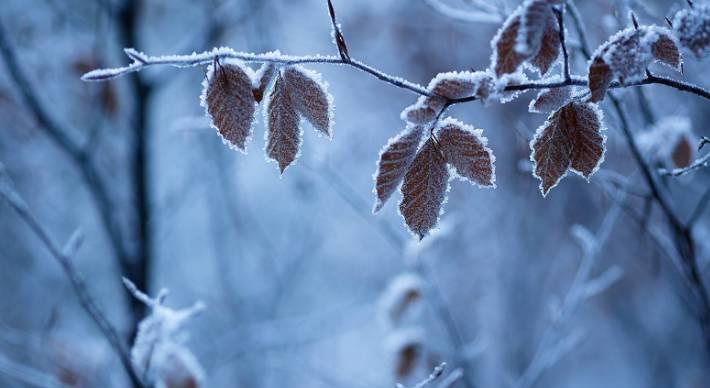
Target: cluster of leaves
<point>232,92</point>
<point>430,151</point>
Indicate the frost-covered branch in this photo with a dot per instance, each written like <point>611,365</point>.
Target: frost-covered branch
<point>142,61</point>
<point>699,163</point>
<point>11,196</point>
<point>435,374</point>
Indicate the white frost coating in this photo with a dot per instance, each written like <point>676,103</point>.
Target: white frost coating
<point>692,26</point>
<point>548,100</point>
<point>424,111</point>
<point>535,14</point>
<point>404,338</point>
<point>401,298</point>
<point>322,85</point>
<point>660,142</point>
<point>158,350</point>
<point>500,94</point>
<point>203,102</point>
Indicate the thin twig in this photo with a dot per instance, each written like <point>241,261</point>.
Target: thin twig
<point>696,165</point>
<point>208,57</point>
<point>565,55</point>
<point>80,289</point>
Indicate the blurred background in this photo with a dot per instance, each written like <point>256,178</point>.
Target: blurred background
<point>303,285</point>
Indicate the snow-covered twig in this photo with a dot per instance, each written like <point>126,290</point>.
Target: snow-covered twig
<point>699,163</point>
<point>11,196</point>
<point>435,374</point>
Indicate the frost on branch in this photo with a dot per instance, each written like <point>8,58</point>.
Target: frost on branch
<point>393,163</point>
<point>570,139</point>
<point>229,101</point>
<point>424,189</point>
<point>296,93</point>
<point>549,100</point>
<point>158,351</point>
<point>262,79</point>
<point>627,54</point>
<point>465,149</point>
<point>424,111</point>
<point>670,143</point>
<point>692,26</point>
<point>530,34</point>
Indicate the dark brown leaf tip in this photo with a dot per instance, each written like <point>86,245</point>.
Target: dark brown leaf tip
<point>229,102</point>
<point>570,139</point>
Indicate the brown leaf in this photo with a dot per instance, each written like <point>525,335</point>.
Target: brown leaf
<point>599,79</point>
<point>454,84</point>
<point>682,153</point>
<point>393,163</point>
<point>424,111</point>
<point>506,59</point>
<point>666,50</point>
<point>283,138</point>
<point>549,100</point>
<point>424,189</point>
<point>570,139</point>
<point>549,49</point>
<point>310,97</point>
<point>230,103</point>
<point>407,360</point>
<point>535,20</point>
<point>465,149</point>
<point>692,26</point>
<point>262,79</point>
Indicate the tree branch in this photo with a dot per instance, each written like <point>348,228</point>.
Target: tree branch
<point>696,165</point>
<point>80,289</point>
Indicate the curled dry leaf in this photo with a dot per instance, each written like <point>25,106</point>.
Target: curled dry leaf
<point>570,139</point>
<point>309,96</point>
<point>454,84</point>
<point>228,99</point>
<point>424,111</point>
<point>669,143</point>
<point>465,150</point>
<point>393,163</point>
<point>424,189</point>
<point>530,34</point>
<point>262,79</point>
<point>283,136</point>
<point>627,54</point>
<point>549,100</point>
<point>692,26</point>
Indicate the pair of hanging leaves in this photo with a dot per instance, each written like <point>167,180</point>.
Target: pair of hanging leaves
<point>531,35</point>
<point>627,54</point>
<point>231,94</point>
<point>424,171</point>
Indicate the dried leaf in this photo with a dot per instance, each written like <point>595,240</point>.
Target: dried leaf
<point>535,19</point>
<point>599,79</point>
<point>407,360</point>
<point>454,84</point>
<point>506,59</point>
<point>682,153</point>
<point>569,139</point>
<point>230,104</point>
<point>310,97</point>
<point>262,79</point>
<point>549,100</point>
<point>283,136</point>
<point>465,149</point>
<point>424,111</point>
<point>549,49</point>
<point>692,26</point>
<point>666,50</point>
<point>424,189</point>
<point>395,159</point>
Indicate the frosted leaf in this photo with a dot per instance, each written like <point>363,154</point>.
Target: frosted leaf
<point>424,190</point>
<point>549,50</point>
<point>400,297</point>
<point>465,149</point>
<point>262,79</point>
<point>176,367</point>
<point>529,34</point>
<point>670,143</point>
<point>499,87</point>
<point>627,54</point>
<point>505,58</point>
<point>454,84</point>
<point>393,163</point>
<point>310,98</point>
<point>536,16</point>
<point>407,346</point>
<point>570,139</point>
<point>692,26</point>
<point>549,100</point>
<point>424,111</point>
<point>229,102</point>
<point>283,136</point>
